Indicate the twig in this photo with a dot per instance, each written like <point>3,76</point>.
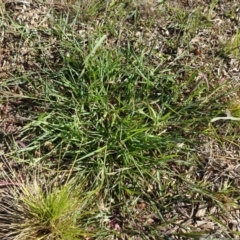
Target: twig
<point>229,117</point>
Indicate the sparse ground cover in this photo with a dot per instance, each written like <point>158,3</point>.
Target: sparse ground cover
<point>119,120</point>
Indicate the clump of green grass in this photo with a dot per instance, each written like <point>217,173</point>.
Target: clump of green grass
<point>126,115</point>
<point>35,208</point>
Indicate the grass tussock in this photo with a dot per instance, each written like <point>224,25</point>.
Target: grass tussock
<point>37,208</point>
<point>137,99</point>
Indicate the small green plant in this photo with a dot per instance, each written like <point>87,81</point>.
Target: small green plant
<point>234,45</point>
<point>234,108</point>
